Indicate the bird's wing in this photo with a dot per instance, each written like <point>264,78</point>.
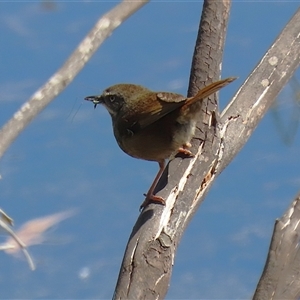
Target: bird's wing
<point>165,102</point>
<point>162,104</point>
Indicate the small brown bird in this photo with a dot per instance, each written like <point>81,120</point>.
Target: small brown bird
<point>153,125</point>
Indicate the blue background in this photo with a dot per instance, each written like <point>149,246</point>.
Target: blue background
<point>68,158</point>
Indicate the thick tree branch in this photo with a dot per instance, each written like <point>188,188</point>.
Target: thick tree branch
<point>147,265</point>
<point>209,46</point>
<point>60,80</point>
<point>280,278</point>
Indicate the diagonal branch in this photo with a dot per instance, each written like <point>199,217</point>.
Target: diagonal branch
<point>260,89</point>
<point>61,79</point>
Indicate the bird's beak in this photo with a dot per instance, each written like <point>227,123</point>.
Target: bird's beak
<point>95,99</point>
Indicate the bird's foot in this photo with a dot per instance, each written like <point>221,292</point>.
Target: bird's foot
<point>185,152</point>
<point>152,199</point>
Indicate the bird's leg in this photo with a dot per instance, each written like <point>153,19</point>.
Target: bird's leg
<point>149,196</point>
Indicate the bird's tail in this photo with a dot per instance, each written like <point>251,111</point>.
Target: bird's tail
<point>209,90</point>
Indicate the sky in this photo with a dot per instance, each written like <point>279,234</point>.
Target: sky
<point>67,158</point>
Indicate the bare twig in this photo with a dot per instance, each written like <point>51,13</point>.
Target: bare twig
<point>5,223</point>
<point>59,81</point>
<point>30,233</point>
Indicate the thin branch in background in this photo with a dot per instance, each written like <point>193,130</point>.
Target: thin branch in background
<point>5,223</point>
<point>31,233</point>
<point>62,78</point>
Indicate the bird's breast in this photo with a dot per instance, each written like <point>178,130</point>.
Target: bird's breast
<point>157,141</point>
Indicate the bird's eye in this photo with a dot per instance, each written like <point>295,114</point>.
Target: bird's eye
<point>113,102</point>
